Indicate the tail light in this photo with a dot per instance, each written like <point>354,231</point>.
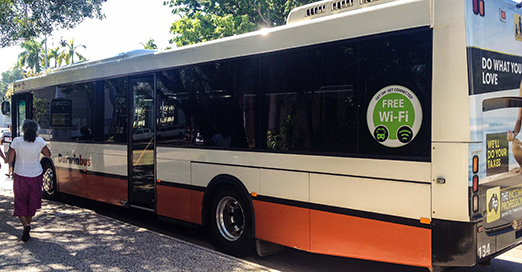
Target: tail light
<point>479,7</point>
<point>475,203</point>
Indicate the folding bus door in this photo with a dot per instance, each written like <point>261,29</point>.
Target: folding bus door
<point>142,185</point>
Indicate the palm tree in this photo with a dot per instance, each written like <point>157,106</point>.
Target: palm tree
<point>55,54</point>
<point>151,44</point>
<point>70,51</point>
<point>32,57</point>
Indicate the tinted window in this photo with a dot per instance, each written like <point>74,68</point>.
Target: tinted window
<point>211,104</point>
<point>310,103</point>
<point>315,99</point>
<point>115,110</point>
<point>65,113</point>
<point>312,100</point>
<point>173,110</point>
<point>403,59</point>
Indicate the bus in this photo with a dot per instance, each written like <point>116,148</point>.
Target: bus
<point>383,130</point>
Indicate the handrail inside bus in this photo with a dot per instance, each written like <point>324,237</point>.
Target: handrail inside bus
<point>501,103</point>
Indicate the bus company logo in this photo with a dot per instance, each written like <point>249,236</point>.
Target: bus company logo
<point>394,116</point>
<point>74,160</point>
<point>493,204</point>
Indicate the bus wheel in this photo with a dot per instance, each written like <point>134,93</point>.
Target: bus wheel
<point>231,222</point>
<point>49,182</point>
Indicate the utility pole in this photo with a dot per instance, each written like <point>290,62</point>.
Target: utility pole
<point>45,53</point>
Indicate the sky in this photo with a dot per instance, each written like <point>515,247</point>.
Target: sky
<point>128,23</point>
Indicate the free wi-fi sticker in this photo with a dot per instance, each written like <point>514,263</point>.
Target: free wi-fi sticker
<point>394,116</point>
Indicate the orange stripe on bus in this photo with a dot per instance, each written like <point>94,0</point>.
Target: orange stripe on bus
<point>355,237</point>
<point>197,206</point>
<point>281,224</point>
<point>181,204</point>
<point>99,188</point>
<point>174,203</point>
<point>342,235</point>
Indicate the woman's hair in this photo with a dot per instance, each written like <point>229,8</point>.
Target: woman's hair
<point>29,129</point>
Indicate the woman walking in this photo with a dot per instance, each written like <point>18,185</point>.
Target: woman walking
<point>27,184</point>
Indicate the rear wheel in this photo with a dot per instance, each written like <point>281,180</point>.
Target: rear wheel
<point>230,220</point>
<point>49,182</point>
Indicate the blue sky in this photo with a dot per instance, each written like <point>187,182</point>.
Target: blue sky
<point>128,23</point>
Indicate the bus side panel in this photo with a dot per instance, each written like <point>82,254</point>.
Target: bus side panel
<point>356,237</point>
<point>202,174</point>
<point>179,203</point>
<point>100,188</point>
<point>174,202</point>
<point>382,235</point>
<point>197,206</point>
<point>282,224</point>
<point>396,198</point>
<point>174,193</point>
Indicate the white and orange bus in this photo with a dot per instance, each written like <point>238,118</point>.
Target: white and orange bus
<point>374,129</point>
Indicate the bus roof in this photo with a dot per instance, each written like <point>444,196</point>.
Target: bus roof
<point>363,21</point>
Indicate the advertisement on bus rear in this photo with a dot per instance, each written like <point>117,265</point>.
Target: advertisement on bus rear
<point>494,51</point>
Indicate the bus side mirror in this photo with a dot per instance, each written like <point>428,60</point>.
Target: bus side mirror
<point>6,108</point>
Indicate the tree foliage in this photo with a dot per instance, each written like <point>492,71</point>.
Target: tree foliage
<point>56,54</point>
<point>71,50</point>
<point>203,20</point>
<point>150,44</point>
<point>32,59</point>
<point>33,56</point>
<point>29,19</point>
<point>9,77</point>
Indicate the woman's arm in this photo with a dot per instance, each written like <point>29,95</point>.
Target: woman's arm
<point>46,152</point>
<point>11,155</point>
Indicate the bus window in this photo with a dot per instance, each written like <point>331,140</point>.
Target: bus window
<point>66,112</point>
<point>173,109</point>
<point>115,114</point>
<point>310,104</point>
<point>211,104</point>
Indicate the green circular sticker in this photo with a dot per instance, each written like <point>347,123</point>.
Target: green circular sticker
<point>394,116</point>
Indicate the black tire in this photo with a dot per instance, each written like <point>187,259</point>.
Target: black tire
<point>49,189</point>
<point>230,222</point>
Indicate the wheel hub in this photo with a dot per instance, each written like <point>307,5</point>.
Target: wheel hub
<point>230,218</point>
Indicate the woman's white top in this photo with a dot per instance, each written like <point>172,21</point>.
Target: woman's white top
<point>27,161</point>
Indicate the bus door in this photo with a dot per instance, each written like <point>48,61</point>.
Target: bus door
<point>142,185</point>
<point>22,109</point>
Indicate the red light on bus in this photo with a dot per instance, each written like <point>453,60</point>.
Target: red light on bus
<point>479,7</point>
<point>480,229</point>
<point>475,164</point>
<point>475,183</point>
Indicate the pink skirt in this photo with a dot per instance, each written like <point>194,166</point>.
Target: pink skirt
<point>28,195</point>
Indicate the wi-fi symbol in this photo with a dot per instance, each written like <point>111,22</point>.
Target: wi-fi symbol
<point>404,134</point>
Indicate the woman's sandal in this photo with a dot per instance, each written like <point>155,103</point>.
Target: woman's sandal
<point>25,234</point>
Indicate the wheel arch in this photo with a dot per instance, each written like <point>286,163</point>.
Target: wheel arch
<point>221,181</point>
<point>45,160</point>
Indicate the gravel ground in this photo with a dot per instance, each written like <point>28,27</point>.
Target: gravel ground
<point>68,238</point>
